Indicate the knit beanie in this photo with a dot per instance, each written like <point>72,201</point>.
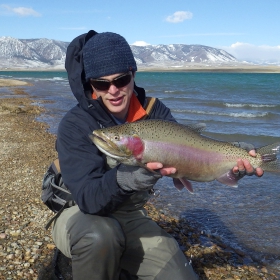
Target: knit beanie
<point>107,53</point>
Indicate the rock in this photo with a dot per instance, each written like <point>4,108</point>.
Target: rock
<point>264,269</point>
<point>50,246</point>
<point>15,232</point>
<point>10,256</point>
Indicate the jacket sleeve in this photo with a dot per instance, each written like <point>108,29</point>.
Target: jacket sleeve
<point>83,167</point>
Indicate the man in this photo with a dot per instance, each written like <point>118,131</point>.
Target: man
<point>108,234</point>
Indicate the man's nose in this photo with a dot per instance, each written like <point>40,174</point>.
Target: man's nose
<point>113,89</point>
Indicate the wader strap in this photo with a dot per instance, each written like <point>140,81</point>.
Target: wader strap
<point>150,104</point>
<point>56,166</point>
<point>66,205</point>
<point>57,272</point>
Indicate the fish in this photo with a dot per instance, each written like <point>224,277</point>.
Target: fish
<point>195,156</point>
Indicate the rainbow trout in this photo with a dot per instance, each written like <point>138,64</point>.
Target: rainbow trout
<point>195,157</point>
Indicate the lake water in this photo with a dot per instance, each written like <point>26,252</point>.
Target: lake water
<point>235,107</point>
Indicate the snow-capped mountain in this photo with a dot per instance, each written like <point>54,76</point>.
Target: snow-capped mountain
<point>31,53</point>
<point>46,53</point>
<point>179,53</point>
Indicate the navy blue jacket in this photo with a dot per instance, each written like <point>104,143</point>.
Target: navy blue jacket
<point>83,166</point>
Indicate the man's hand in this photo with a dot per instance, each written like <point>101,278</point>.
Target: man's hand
<point>244,167</point>
<point>163,171</point>
<point>136,178</point>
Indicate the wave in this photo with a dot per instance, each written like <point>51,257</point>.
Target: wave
<point>220,104</point>
<point>36,79</point>
<point>59,78</point>
<point>235,115</point>
<point>250,105</point>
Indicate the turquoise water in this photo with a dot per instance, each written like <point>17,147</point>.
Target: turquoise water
<point>235,107</point>
<point>232,104</point>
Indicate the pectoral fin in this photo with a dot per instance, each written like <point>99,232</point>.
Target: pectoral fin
<point>229,179</point>
<point>180,183</point>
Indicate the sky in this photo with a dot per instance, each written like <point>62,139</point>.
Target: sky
<point>247,29</point>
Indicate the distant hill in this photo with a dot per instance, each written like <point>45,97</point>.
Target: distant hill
<point>50,54</point>
<point>31,53</point>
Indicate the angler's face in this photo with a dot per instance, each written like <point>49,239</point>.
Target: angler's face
<point>117,97</point>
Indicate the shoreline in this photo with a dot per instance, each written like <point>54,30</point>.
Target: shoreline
<point>241,68</point>
<point>12,83</point>
<point>26,248</point>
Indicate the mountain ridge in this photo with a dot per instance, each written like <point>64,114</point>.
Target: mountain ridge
<point>50,54</point>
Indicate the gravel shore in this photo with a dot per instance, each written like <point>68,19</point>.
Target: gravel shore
<point>26,248</point>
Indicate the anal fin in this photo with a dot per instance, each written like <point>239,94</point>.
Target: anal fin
<point>229,179</point>
<point>181,183</point>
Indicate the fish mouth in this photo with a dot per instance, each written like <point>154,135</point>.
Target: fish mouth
<point>106,146</point>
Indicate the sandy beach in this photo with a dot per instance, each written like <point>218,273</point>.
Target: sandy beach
<point>12,83</point>
<point>26,248</point>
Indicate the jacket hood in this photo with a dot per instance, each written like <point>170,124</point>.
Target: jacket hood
<point>75,68</point>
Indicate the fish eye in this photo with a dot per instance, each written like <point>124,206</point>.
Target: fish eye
<point>116,137</point>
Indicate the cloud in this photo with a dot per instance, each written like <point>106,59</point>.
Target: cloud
<point>179,16</point>
<point>140,43</point>
<point>253,53</point>
<point>21,11</point>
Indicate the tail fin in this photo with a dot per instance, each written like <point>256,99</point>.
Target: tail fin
<point>270,157</point>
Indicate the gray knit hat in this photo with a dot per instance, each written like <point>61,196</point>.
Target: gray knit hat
<point>106,54</point>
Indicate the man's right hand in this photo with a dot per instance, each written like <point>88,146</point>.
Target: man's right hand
<point>158,166</point>
<point>136,178</point>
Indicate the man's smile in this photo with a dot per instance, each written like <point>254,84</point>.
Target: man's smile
<point>116,101</point>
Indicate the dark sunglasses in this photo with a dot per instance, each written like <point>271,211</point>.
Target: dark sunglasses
<point>118,82</point>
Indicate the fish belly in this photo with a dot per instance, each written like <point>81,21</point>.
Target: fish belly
<point>191,162</point>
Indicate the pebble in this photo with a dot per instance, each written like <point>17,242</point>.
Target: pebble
<point>10,257</point>
<point>15,232</point>
<point>264,269</point>
<point>50,246</point>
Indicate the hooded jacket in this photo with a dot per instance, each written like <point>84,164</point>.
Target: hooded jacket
<point>83,166</point>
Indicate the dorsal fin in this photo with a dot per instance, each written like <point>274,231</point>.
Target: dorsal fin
<point>197,127</point>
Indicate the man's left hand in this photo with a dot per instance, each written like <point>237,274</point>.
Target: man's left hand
<point>244,167</point>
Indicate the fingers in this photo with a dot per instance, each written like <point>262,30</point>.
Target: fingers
<point>248,168</point>
<point>252,153</point>
<point>244,167</point>
<point>154,165</point>
<point>167,171</point>
<point>235,170</point>
<point>259,172</point>
<point>164,171</point>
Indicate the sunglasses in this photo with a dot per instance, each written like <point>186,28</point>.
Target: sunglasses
<point>119,82</point>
